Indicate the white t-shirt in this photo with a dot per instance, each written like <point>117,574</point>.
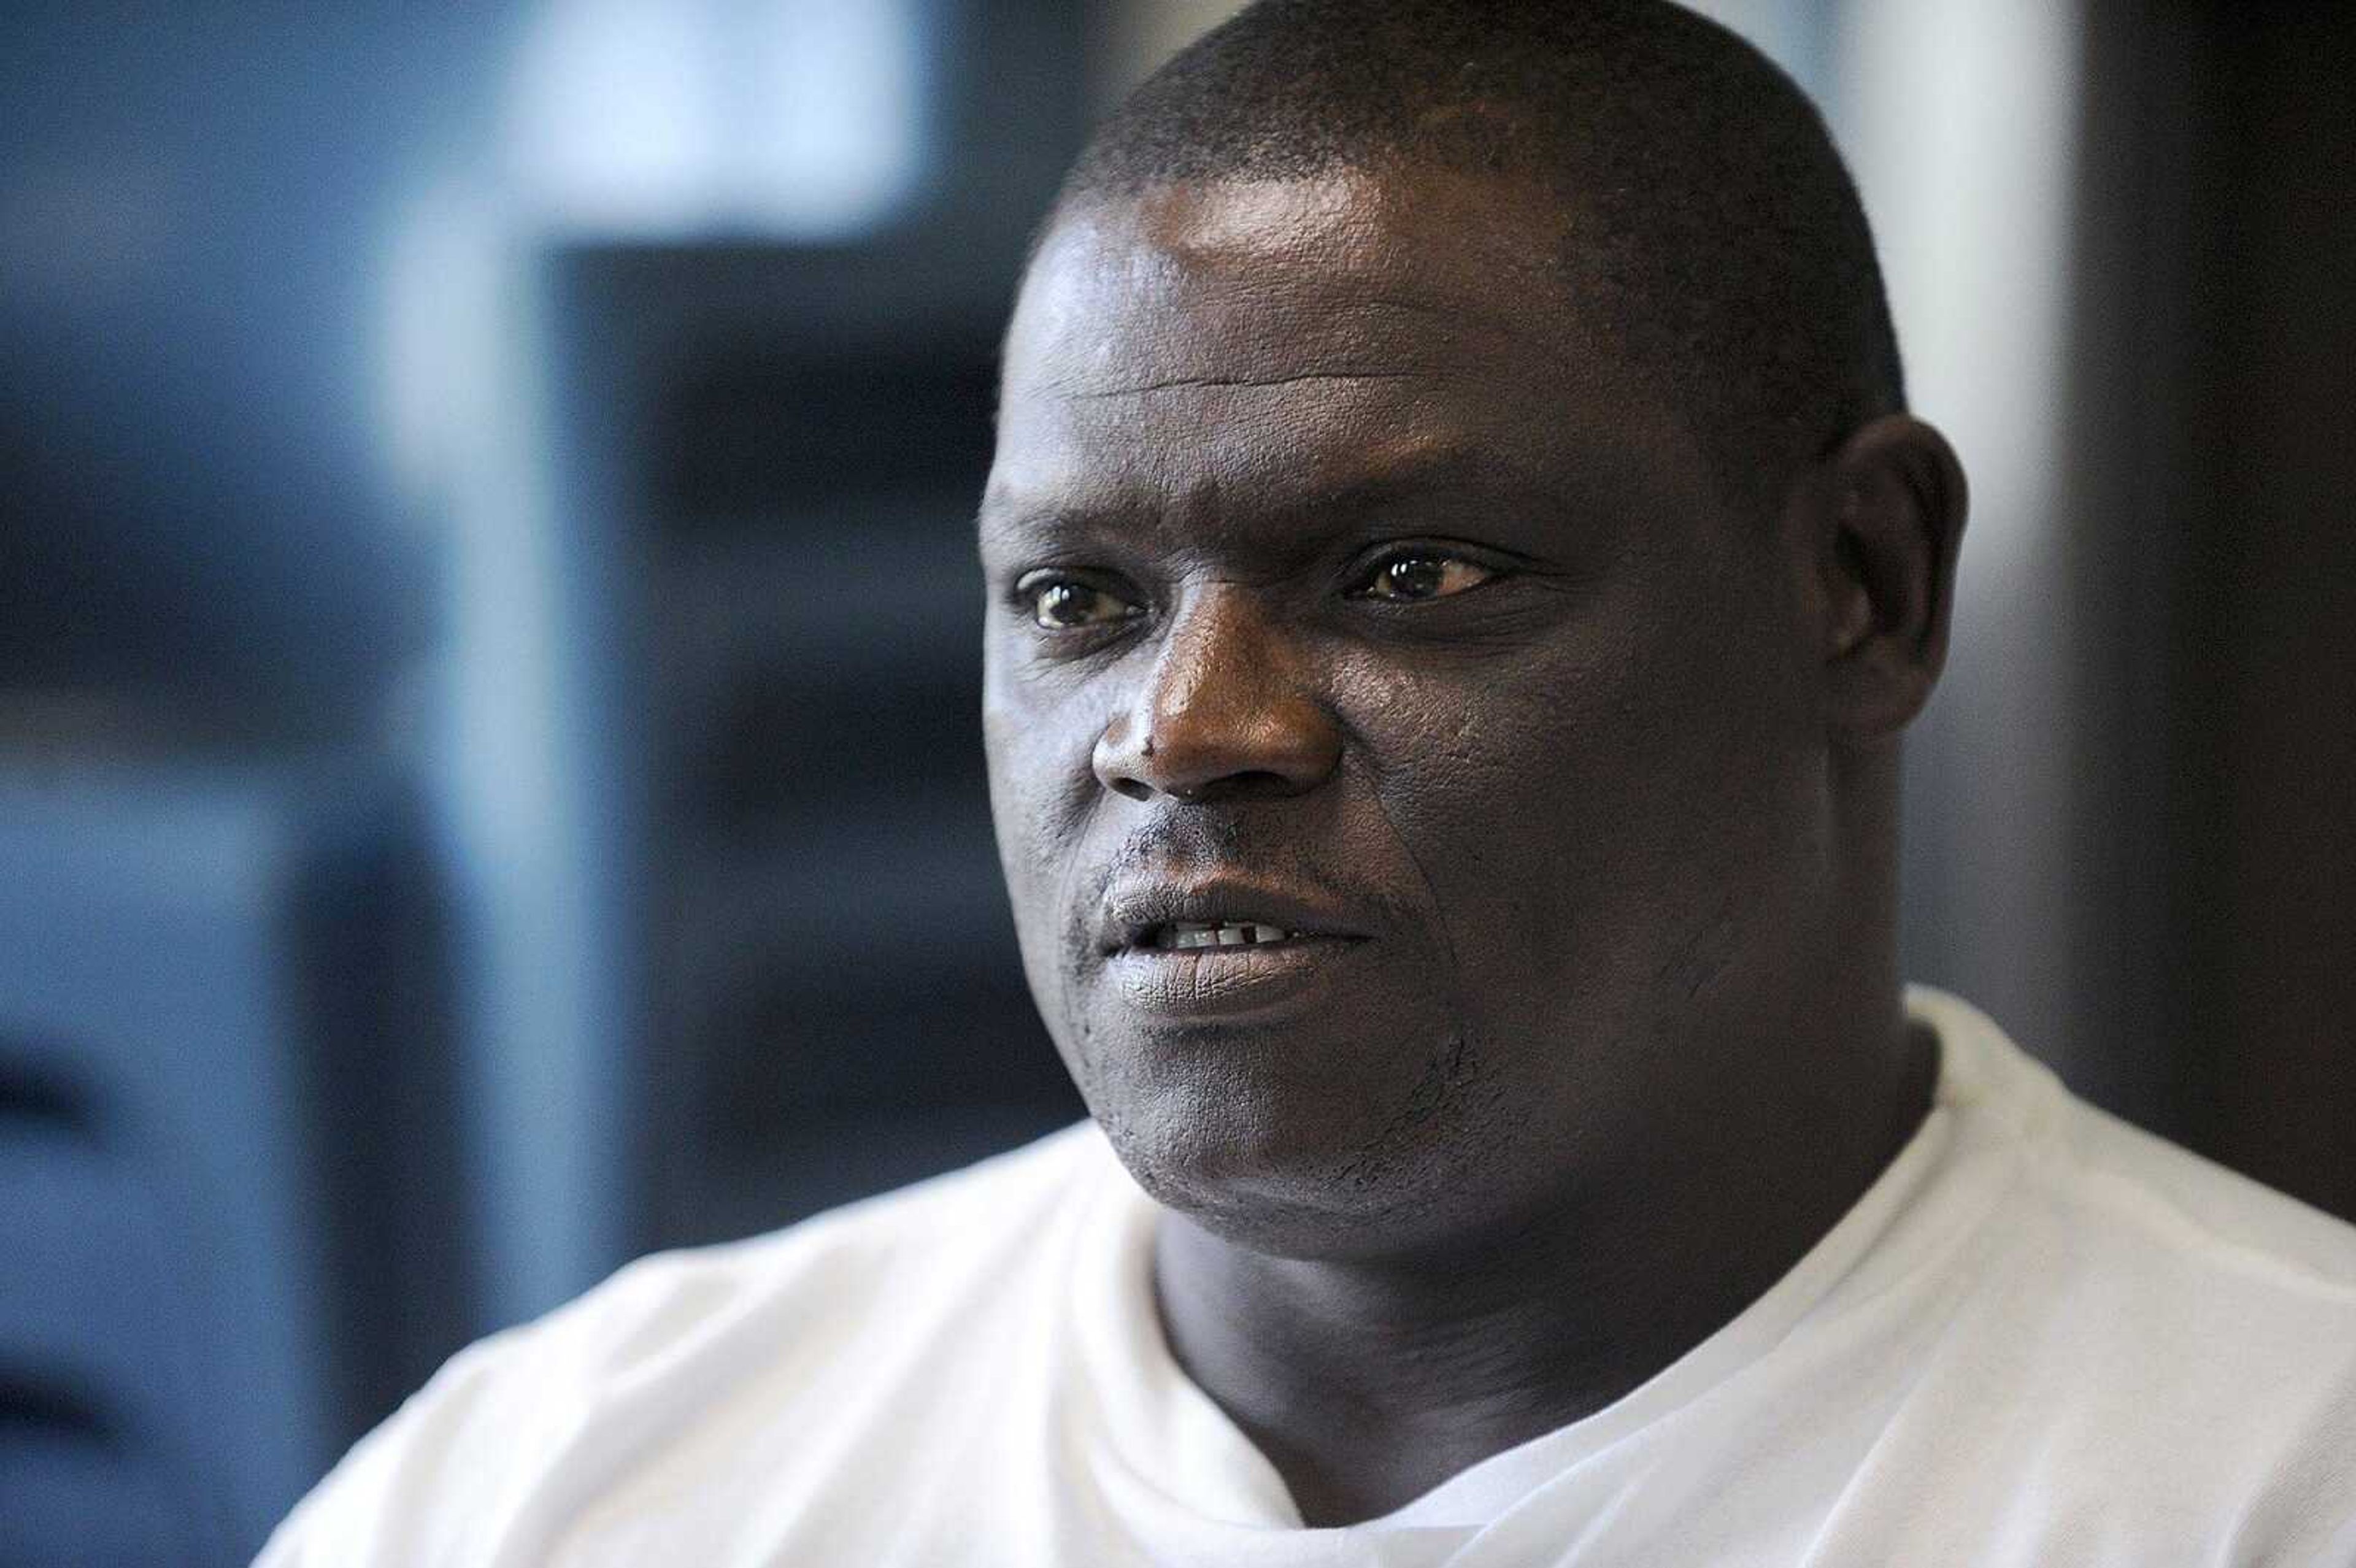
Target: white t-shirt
<point>2041,1337</point>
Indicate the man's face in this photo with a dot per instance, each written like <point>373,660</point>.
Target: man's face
<point>1403,768</point>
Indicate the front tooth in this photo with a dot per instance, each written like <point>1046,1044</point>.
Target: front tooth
<point>1186,935</point>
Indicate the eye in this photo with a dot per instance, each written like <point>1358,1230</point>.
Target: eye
<point>1063,604</point>
<point>1413,577</point>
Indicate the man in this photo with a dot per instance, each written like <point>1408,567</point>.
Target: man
<point>1458,568</point>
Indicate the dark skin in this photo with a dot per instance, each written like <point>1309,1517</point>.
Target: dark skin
<point>1355,601</point>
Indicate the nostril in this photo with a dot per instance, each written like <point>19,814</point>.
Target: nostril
<point>1249,784</point>
<point>1257,781</point>
<point>1131,788</point>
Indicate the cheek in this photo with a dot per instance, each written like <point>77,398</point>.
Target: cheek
<point>1494,818</point>
<point>1580,813</point>
<point>1043,794</point>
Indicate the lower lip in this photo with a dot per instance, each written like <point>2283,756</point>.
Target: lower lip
<point>1207,982</point>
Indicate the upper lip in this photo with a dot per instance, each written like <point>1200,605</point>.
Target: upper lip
<point>1134,911</point>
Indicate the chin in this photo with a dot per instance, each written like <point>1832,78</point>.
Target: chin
<point>1304,1168</point>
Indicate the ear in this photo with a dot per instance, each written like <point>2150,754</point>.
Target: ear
<point>1890,520</point>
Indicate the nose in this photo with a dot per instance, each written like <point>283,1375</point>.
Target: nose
<point>1224,712</point>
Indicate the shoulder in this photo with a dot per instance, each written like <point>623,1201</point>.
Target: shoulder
<point>2147,1197</point>
<point>2188,1334</point>
<point>517,1429</point>
<point>2182,1203</point>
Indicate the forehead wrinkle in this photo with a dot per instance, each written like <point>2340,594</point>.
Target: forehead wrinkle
<point>1116,302</point>
<point>1071,509</point>
<point>1178,382</point>
<point>1243,338</point>
<point>1089,339</point>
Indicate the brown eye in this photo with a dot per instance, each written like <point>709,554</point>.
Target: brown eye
<point>1064,603</point>
<point>1409,579</point>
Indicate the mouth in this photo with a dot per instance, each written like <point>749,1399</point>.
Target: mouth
<point>1185,936</point>
<point>1192,917</point>
<point>1222,948</point>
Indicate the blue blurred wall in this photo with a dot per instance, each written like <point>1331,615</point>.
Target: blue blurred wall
<point>328,832</point>
<point>193,202</point>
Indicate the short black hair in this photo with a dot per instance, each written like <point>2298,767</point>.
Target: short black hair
<point>1701,204</point>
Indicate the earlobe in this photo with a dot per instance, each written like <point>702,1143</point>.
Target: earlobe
<point>1889,542</point>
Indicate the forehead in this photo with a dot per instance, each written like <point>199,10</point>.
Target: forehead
<point>1284,339</point>
<point>1272,279</point>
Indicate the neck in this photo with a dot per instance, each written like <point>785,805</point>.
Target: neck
<point>1366,1384</point>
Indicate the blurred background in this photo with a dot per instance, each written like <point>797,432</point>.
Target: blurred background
<point>489,781</point>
